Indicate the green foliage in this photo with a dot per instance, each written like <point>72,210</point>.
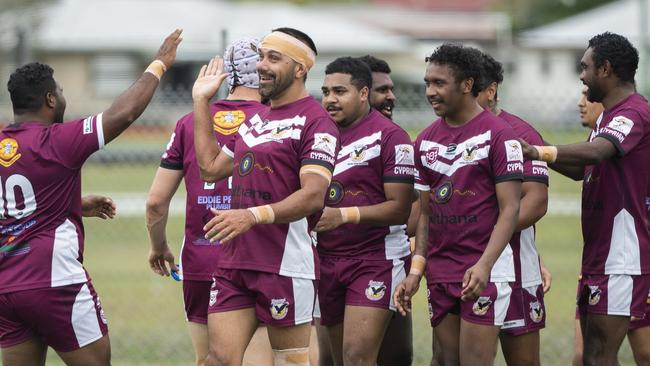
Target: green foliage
<point>533,13</point>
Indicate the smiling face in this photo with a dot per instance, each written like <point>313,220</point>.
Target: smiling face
<point>381,96</point>
<point>443,92</point>
<point>590,77</point>
<point>344,102</point>
<point>276,71</point>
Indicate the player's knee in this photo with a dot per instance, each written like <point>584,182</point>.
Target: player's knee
<point>217,359</point>
<point>354,353</point>
<point>642,356</point>
<point>291,357</point>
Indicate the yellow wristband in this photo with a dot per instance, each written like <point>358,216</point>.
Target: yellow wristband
<point>547,153</point>
<point>157,68</point>
<point>418,263</point>
<point>263,214</point>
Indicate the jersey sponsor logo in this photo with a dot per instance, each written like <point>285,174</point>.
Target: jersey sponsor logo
<point>279,308</point>
<point>451,149</point>
<point>88,126</point>
<point>594,295</point>
<point>375,290</point>
<point>321,156</point>
<point>8,152</point>
<point>440,219</point>
<point>443,193</point>
<point>482,305</point>
<point>216,202</point>
<point>404,170</point>
<point>246,164</point>
<point>536,311</point>
<point>325,142</point>
<point>431,155</point>
<point>14,250</point>
<point>238,191</point>
<point>540,168</point>
<point>617,134</point>
<point>513,151</point>
<point>621,124</point>
<point>335,193</point>
<point>227,122</point>
<point>404,154</point>
<point>515,167</point>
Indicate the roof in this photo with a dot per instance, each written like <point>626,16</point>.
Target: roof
<point>621,17</point>
<point>140,25</point>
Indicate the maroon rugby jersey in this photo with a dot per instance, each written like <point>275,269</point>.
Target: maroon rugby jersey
<point>198,255</point>
<point>373,152</point>
<point>268,152</point>
<point>42,236</point>
<point>526,258</point>
<point>614,194</point>
<point>460,167</point>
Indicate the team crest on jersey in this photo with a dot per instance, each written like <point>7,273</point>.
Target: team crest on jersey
<point>358,153</point>
<point>324,142</point>
<point>227,122</point>
<point>482,305</point>
<point>335,193</point>
<point>513,151</point>
<point>594,295</point>
<point>8,152</point>
<point>375,290</point>
<point>404,154</point>
<point>246,164</point>
<point>431,155</point>
<point>279,308</point>
<point>469,153</point>
<point>536,311</point>
<point>281,132</point>
<point>443,193</point>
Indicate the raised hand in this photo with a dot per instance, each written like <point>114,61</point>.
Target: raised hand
<point>167,51</point>
<point>209,80</point>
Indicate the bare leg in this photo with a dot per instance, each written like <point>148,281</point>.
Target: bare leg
<point>363,331</point>
<point>397,346</point>
<point>479,344</point>
<point>30,353</point>
<point>97,353</point>
<point>520,350</point>
<point>229,334</point>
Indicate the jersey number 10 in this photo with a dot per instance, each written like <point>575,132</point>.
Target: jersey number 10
<point>9,206</point>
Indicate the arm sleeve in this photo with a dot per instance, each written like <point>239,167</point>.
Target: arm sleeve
<point>398,158</point>
<point>172,158</point>
<point>506,157</point>
<point>535,170</point>
<point>420,171</point>
<point>319,144</point>
<point>71,143</point>
<point>625,131</point>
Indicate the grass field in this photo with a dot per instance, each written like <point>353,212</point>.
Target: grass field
<point>145,312</point>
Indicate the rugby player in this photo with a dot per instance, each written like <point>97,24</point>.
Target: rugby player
<point>639,333</point>
<point>283,161</point>
<point>616,176</point>
<point>198,256</point>
<point>46,296</point>
<point>362,242</point>
<point>470,171</point>
<point>526,312</point>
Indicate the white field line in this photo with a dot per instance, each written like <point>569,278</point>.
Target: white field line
<point>133,204</point>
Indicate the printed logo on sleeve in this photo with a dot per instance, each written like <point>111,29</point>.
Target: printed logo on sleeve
<point>404,154</point>
<point>621,124</point>
<point>88,125</point>
<point>8,152</point>
<point>324,142</point>
<point>513,151</point>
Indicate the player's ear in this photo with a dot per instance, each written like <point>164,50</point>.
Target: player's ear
<point>50,100</point>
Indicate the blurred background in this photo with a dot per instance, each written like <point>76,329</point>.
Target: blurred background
<point>98,48</point>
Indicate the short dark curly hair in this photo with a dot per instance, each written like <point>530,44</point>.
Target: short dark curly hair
<point>376,64</point>
<point>493,70</point>
<point>28,86</point>
<point>359,71</point>
<point>620,53</point>
<point>464,61</point>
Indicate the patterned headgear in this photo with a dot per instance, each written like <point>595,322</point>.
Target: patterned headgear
<point>240,59</point>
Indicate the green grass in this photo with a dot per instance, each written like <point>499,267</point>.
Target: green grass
<point>145,312</point>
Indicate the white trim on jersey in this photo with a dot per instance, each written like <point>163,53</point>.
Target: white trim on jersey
<point>99,126</point>
<point>396,243</point>
<point>367,140</point>
<point>228,152</point>
<point>66,268</point>
<point>304,296</point>
<point>531,274</point>
<point>85,322</point>
<point>344,165</point>
<point>298,256</point>
<point>398,274</point>
<point>266,130</point>
<point>502,302</point>
<point>422,187</point>
<point>504,268</point>
<point>624,255</point>
<point>619,294</point>
<point>426,145</point>
<point>449,169</point>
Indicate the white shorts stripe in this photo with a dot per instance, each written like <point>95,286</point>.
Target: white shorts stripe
<point>619,294</point>
<point>502,302</point>
<point>99,126</point>
<point>85,322</point>
<point>303,296</point>
<point>398,275</point>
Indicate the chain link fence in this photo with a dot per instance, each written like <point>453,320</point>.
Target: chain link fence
<point>145,312</point>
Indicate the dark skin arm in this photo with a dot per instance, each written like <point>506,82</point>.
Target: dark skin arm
<point>533,205</point>
<point>127,107</point>
<point>578,155</point>
<point>393,211</point>
<point>214,164</point>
